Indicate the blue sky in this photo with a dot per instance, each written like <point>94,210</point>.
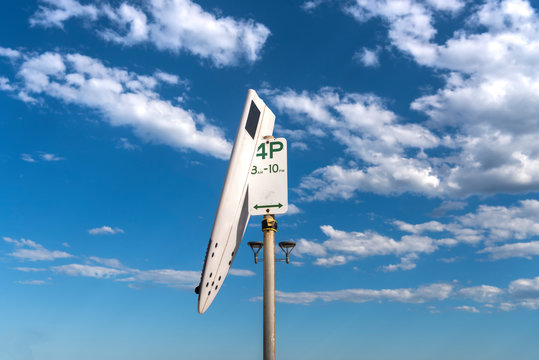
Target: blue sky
<point>413,172</point>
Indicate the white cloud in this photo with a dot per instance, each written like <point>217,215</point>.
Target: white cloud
<point>525,250</point>
<point>173,25</point>
<point>130,21</point>
<point>32,282</point>
<point>331,261</point>
<point>311,5</point>
<point>42,155</point>
<point>298,145</point>
<point>493,102</point>
<point>449,260</point>
<point>447,5</point>
<point>50,157</point>
<point>371,243</point>
<point>405,295</point>
<point>521,293</point>
<point>506,306</point>
<point>241,272</point>
<point>482,293</point>
<point>4,84</point>
<point>114,269</point>
<point>27,158</point>
<point>107,268</point>
<point>30,269</point>
<point>525,293</point>
<point>23,95</point>
<point>532,304</point>
<point>431,226</point>
<point>370,133</point>
<point>391,176</point>
<point>305,106</point>
<point>410,24</point>
<point>87,270</point>
<point>123,98</point>
<point>368,58</point>
<point>36,71</point>
<point>9,53</point>
<point>447,206</point>
<point>110,262</point>
<point>167,277</point>
<point>306,247</point>
<point>290,134</point>
<point>32,251</point>
<point>105,230</point>
<point>55,12</point>
<point>343,247</point>
<point>407,263</point>
<point>504,223</point>
<point>293,210</point>
<point>167,78</point>
<point>488,224</point>
<point>467,308</point>
<point>525,288</point>
<point>489,101</point>
<point>124,143</point>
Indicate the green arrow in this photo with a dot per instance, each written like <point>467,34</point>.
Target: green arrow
<point>268,206</point>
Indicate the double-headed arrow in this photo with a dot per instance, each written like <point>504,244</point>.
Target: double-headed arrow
<point>268,206</point>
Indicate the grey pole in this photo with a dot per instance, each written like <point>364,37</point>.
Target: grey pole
<point>269,227</point>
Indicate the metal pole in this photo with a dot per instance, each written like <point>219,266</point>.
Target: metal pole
<point>269,227</point>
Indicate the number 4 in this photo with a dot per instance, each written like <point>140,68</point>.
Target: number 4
<point>261,151</point>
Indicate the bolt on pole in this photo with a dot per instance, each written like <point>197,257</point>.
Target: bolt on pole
<point>269,227</point>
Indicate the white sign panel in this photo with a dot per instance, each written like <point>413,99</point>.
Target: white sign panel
<point>268,181</point>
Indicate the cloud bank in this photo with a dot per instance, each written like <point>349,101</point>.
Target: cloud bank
<point>171,25</point>
<point>123,98</point>
<point>479,132</point>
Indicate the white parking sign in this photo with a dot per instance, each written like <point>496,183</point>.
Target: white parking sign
<point>268,180</point>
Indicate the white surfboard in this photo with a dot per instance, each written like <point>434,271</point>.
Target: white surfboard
<point>232,215</point>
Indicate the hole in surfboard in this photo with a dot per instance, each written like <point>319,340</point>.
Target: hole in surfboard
<point>216,244</point>
<point>219,278</point>
<point>216,286</point>
<point>230,262</point>
<point>232,253</point>
<point>211,274</point>
<point>207,284</point>
<point>212,254</point>
<point>209,292</point>
<point>213,282</point>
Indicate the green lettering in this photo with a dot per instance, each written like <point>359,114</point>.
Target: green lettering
<point>275,146</point>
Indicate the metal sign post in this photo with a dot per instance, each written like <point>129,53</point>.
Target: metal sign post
<point>268,195</point>
<point>269,228</point>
